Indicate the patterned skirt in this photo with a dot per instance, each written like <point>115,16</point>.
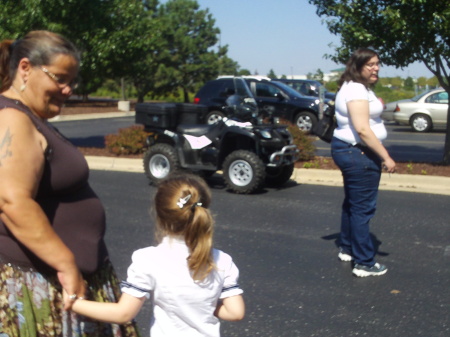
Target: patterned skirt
<point>31,305</point>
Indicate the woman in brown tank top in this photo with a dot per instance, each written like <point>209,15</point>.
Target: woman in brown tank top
<point>47,240</point>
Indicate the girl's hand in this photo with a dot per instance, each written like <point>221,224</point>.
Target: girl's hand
<point>73,287</point>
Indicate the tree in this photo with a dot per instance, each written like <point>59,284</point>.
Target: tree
<point>271,74</point>
<point>244,72</point>
<point>397,82</point>
<point>433,82</point>
<point>188,57</point>
<point>105,32</point>
<point>318,76</point>
<point>422,81</point>
<point>409,83</point>
<point>402,31</point>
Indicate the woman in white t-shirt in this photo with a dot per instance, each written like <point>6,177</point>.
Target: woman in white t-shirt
<point>358,151</point>
<point>190,283</point>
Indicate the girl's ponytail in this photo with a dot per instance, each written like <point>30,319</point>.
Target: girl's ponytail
<point>198,237</point>
<point>181,205</point>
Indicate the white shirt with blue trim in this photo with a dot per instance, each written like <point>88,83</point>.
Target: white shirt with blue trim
<point>181,306</point>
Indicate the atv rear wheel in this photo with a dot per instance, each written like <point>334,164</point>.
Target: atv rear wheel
<point>160,160</point>
<point>277,176</point>
<point>244,172</point>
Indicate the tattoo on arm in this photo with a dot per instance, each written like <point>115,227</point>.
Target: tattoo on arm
<point>5,146</point>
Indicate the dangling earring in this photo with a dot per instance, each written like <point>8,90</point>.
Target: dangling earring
<point>23,87</point>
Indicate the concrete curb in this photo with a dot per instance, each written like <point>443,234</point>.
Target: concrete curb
<point>393,182</point>
<point>63,118</point>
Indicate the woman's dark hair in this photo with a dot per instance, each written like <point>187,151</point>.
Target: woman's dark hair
<point>39,46</point>
<point>355,65</point>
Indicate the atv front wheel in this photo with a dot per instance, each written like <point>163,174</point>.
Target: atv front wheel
<point>244,172</point>
<point>277,176</point>
<point>159,161</point>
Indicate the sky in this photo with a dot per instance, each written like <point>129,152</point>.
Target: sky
<point>286,36</point>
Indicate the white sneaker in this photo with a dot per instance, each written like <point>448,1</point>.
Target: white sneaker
<point>363,271</point>
<point>343,256</point>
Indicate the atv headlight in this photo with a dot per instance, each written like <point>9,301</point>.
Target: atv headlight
<point>266,134</point>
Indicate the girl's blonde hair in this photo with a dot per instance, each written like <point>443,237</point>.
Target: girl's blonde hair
<point>181,205</point>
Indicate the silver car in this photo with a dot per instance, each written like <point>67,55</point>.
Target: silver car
<point>422,112</point>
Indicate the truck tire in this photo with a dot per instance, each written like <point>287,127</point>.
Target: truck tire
<point>160,160</point>
<point>278,176</point>
<point>244,172</point>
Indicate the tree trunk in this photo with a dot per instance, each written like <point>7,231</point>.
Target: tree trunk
<point>122,89</point>
<point>446,159</point>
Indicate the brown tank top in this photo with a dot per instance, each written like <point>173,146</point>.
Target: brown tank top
<point>72,207</point>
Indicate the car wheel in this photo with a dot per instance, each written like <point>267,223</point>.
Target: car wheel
<point>305,121</point>
<point>244,172</point>
<point>421,123</point>
<point>277,176</point>
<point>213,117</point>
<point>160,160</point>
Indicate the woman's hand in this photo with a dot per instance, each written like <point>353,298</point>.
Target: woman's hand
<point>389,165</point>
<point>73,284</point>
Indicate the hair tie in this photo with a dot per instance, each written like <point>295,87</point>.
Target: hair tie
<point>183,201</point>
<point>195,204</point>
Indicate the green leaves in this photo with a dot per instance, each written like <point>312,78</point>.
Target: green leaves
<point>402,31</point>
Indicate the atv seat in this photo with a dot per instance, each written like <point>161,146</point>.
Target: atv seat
<point>198,130</point>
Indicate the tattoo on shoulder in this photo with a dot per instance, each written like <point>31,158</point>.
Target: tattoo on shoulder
<point>5,146</point>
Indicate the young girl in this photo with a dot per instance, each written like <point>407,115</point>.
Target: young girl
<point>191,283</point>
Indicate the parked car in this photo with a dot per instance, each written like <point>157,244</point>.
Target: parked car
<point>282,101</point>
<point>422,112</point>
<point>307,87</point>
<point>214,95</point>
<point>274,99</point>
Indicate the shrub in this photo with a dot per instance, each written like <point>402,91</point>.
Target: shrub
<point>129,140</point>
<point>304,142</point>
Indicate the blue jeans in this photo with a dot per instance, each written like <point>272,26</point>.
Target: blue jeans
<point>361,170</point>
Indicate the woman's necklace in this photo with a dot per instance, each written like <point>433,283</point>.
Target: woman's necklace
<point>15,90</point>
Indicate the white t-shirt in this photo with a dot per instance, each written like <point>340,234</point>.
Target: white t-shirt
<point>181,306</point>
<point>345,131</point>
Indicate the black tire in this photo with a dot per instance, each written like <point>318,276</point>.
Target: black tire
<point>160,160</point>
<point>421,123</point>
<point>213,117</point>
<point>305,121</point>
<point>244,172</point>
<point>277,176</point>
